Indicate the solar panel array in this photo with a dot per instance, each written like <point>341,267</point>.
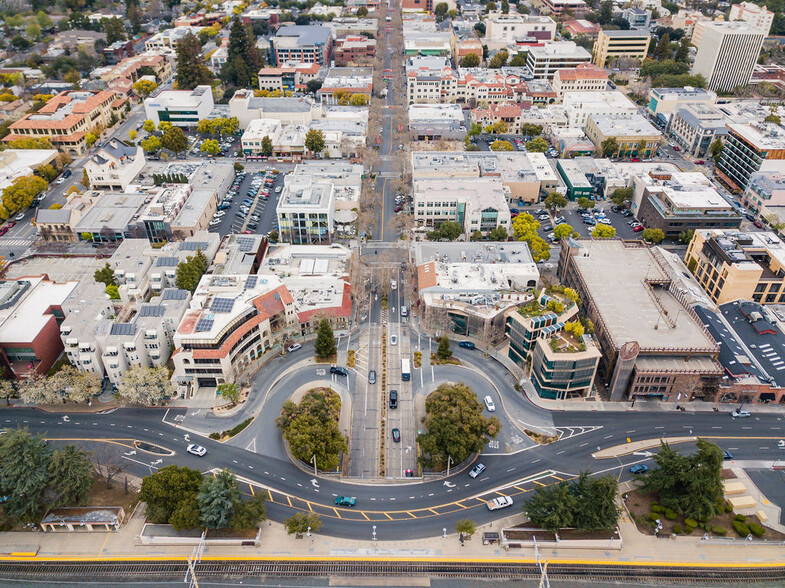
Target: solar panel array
<point>245,244</point>
<point>222,304</point>
<point>175,294</point>
<point>204,324</point>
<point>122,329</point>
<point>166,262</point>
<point>250,282</point>
<point>193,245</point>
<point>151,310</point>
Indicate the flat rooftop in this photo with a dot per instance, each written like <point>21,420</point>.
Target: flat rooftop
<point>31,300</point>
<point>762,135</point>
<point>618,277</point>
<point>628,125</point>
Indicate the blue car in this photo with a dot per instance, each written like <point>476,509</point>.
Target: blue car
<point>641,468</point>
<point>466,344</point>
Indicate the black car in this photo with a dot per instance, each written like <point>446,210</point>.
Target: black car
<point>67,173</point>
<point>372,377</point>
<point>341,371</point>
<point>466,345</point>
<point>396,435</point>
<point>393,399</point>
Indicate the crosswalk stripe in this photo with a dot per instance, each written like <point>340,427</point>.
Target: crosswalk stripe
<point>16,241</point>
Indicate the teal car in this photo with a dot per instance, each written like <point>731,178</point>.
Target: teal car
<point>345,501</point>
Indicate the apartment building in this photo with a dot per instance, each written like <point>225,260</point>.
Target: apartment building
<point>430,80</point>
<point>686,21</point>
<point>167,39</point>
<point>293,78</point>
<point>345,82</point>
<point>614,46</point>
<point>664,102</point>
<point>306,210</point>
<point>560,8</point>
<point>131,69</point>
<point>579,106</point>
<point>639,298</point>
<point>750,148</point>
<point>634,135</point>
<point>637,18</point>
<point>584,78</point>
<point>757,16</point>
<point>66,118</point>
<point>683,201</point>
<point>182,108</point>
<point>115,165</point>
<point>765,193</point>
<point>543,62</point>
<point>303,44</point>
<point>355,51</point>
<point>727,54</point>
<point>504,29</point>
<point>732,265</point>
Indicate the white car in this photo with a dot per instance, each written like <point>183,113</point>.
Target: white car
<point>196,450</point>
<point>59,180</point>
<point>293,347</point>
<point>219,214</point>
<point>499,502</point>
<point>489,404</point>
<point>278,189</point>
<point>393,340</point>
<point>393,285</point>
<point>19,216</point>
<point>740,414</point>
<point>215,222</point>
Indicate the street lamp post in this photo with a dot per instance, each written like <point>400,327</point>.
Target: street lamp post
<point>313,461</point>
<point>449,460</point>
<point>374,533</point>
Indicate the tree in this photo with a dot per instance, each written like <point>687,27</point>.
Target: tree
<point>686,236</point>
<point>361,12</point>
<point>301,522</point>
<point>105,275</point>
<point>653,235</point>
<point>609,146</point>
<point>603,232</point>
<point>584,203</point>
<point>132,134</point>
<point>505,10</point>
<point>43,20</point>
<point>24,472</point>
<point>166,490</point>
<point>715,149</point>
<point>663,49</point>
<point>683,52</point>
<point>314,141</point>
<point>475,130</point>
<point>114,29</point>
<point>456,426</point>
<point>480,28</point>
<point>243,60</point>
<point>555,200</point>
<point>190,271</point>
<point>444,351</point>
<point>210,146</point>
<point>267,146</point>
<point>499,60</point>
<point>174,140</point>
<point>563,231</point>
<point>470,60</point>
<point>142,385</point>
<point>465,526</point>
<point>186,515</point>
<point>145,87</point>
<point>47,171</point>
<point>70,475</point>
<point>151,144</point>
<point>531,130</point>
<point>217,498</point>
<point>498,234</point>
<point>525,229</point>
<point>450,230</point>
<point>33,31</point>
<point>249,513</point>
<point>325,346</point>
<point>191,69</point>
<point>551,507</point>
<point>29,143</point>
<point>148,126</point>
<point>21,193</point>
<point>501,145</point>
<point>537,145</point>
<point>358,100</point>
<point>229,391</point>
<point>90,139</point>
<point>113,292</point>
<point>622,195</point>
<point>498,128</point>
<point>640,149</point>
<point>440,11</point>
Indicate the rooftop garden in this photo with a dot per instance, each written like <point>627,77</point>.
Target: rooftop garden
<point>569,340</point>
<point>554,299</point>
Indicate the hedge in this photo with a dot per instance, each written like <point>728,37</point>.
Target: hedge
<point>677,529</point>
<point>742,529</point>
<point>741,518</point>
<point>670,515</point>
<point>691,523</point>
<point>757,529</point>
<point>719,530</point>
<point>657,508</point>
<point>233,431</point>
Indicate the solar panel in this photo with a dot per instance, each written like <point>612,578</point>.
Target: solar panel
<point>245,244</point>
<point>166,262</point>
<point>222,304</point>
<point>175,294</point>
<point>122,329</point>
<point>204,324</point>
<point>250,282</point>
<point>151,310</point>
<point>193,245</point>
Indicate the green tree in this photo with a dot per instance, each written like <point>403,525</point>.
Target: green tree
<point>145,386</point>
<point>70,475</point>
<point>314,141</point>
<point>361,12</point>
<point>90,139</point>
<point>519,59</point>
<point>151,144</point>
<point>653,235</point>
<point>456,426</point>
<point>243,60</point>
<point>210,146</point>
<point>113,292</point>
<point>621,196</point>
<point>166,490</point>
<point>683,52</point>
<point>21,193</point>
<point>450,230</point>
<point>640,149</point>
<point>686,236</point>
<point>267,146</point>
<point>145,87</point>
<point>186,514</point>
<point>313,86</point>
<point>531,130</point>
<point>440,11</point>
<point>229,391</point>
<point>537,145</point>
<point>48,172</point>
<point>715,149</point>
<point>498,128</point>
<point>325,346</point>
<point>190,271</point>
<point>501,145</point>
<point>465,526</point>
<point>525,229</point>
<point>174,140</point>
<point>470,60</point>
<point>603,232</point>
<point>552,507</point>
<point>555,200</point>
<point>498,234</point>
<point>477,236</point>
<point>663,49</point>
<point>505,10</point>
<point>191,69</point>
<point>499,60</point>
<point>585,203</point>
<point>24,472</point>
<point>610,147</point>
<point>444,351</point>
<point>43,20</point>
<point>217,498</point>
<point>563,231</point>
<point>249,513</point>
<point>105,275</point>
<point>475,130</point>
<point>300,523</point>
<point>114,29</point>
<point>148,126</point>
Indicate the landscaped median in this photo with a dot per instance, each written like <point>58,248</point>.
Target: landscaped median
<point>632,447</point>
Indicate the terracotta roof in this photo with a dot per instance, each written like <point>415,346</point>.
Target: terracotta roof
<point>585,71</point>
<point>508,110</point>
<point>426,275</point>
<point>345,309</point>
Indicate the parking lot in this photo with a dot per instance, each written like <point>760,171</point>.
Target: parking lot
<point>231,222</point>
<point>572,217</point>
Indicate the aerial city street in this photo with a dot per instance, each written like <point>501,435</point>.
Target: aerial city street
<point>390,292</point>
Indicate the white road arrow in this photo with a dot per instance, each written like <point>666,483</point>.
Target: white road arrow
<point>314,482</point>
<point>196,412</point>
<point>157,461</point>
<point>408,448</point>
<point>446,483</point>
<point>66,418</point>
<point>130,453</point>
<point>643,453</point>
<point>186,438</point>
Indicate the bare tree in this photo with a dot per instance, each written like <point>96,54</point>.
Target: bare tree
<point>107,462</point>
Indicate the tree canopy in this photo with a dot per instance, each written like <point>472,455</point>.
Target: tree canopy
<point>243,60</point>
<point>537,145</point>
<point>603,232</point>
<point>325,346</point>
<point>190,271</point>
<point>165,491</point>
<point>470,60</point>
<point>314,141</point>
<point>191,69</point>
<point>525,229</point>
<point>143,385</point>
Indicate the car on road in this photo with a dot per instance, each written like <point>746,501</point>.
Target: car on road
<point>477,470</point>
<point>59,180</point>
<point>67,173</point>
<point>758,224</point>
<point>466,344</point>
<point>489,404</point>
<point>393,399</point>
<point>341,371</point>
<point>393,339</point>
<point>640,468</point>
<point>699,161</point>
<point>293,347</point>
<point>3,230</point>
<point>278,189</point>
<point>499,502</point>
<point>345,500</point>
<point>11,224</point>
<point>393,284</point>
<point>727,455</point>
<point>396,435</point>
<point>740,414</point>
<point>196,450</point>
<point>19,216</point>
<point>372,377</point>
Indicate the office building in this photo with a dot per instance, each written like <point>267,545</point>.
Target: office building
<point>750,148</point>
<point>292,78</point>
<point>558,8</point>
<point>543,62</point>
<point>504,29</point>
<point>696,126</point>
<point>564,366</point>
<point>635,136</point>
<point>727,54</point>
<point>182,108</point>
<point>306,210</point>
<point>636,17</point>
<point>664,102</point>
<point>579,106</point>
<point>355,51</point>
<point>115,165</point>
<point>342,83</point>
<point>303,44</point>
<point>584,78</point>
<point>613,46</point>
<point>765,193</point>
<point>586,28</point>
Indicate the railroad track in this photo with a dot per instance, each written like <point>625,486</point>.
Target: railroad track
<point>175,568</point>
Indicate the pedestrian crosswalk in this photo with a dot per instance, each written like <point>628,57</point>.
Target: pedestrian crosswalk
<point>16,242</point>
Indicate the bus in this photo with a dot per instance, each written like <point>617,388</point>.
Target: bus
<point>406,370</point>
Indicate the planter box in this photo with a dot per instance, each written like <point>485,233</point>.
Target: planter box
<point>153,534</point>
<point>525,537</point>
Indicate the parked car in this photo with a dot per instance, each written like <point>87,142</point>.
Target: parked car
<point>640,468</point>
<point>638,229</point>
<point>740,414</point>
<point>393,285</point>
<point>372,377</point>
<point>3,230</point>
<point>396,435</point>
<point>196,450</point>
<point>293,347</point>
<point>466,344</point>
<point>393,340</point>
<point>345,500</point>
<point>758,224</point>
<point>489,404</point>
<point>477,470</point>
<point>19,216</point>
<point>499,502</point>
<point>341,371</point>
<point>727,455</point>
<point>393,399</point>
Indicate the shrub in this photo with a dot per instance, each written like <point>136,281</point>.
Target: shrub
<point>691,523</point>
<point>741,518</point>
<point>757,530</point>
<point>688,530</point>
<point>657,508</point>
<point>653,517</point>
<point>742,529</point>
<point>677,529</point>
<point>215,435</point>
<point>670,515</point>
<point>703,519</point>
<point>719,530</point>
<point>728,507</point>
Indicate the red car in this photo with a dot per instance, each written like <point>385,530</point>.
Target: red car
<point>676,148</point>
<point>3,230</point>
<point>638,229</point>
<point>634,159</point>
<point>11,224</point>
<point>699,161</point>
<point>758,224</point>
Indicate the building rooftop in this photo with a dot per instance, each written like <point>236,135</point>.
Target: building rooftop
<point>26,306</point>
<point>687,92</point>
<point>302,35</point>
<point>303,192</point>
<point>687,192</point>
<point>624,125</point>
<point>625,34</point>
<point>284,259</point>
<point>510,166</point>
<point>556,49</point>
<point>762,135</point>
<point>735,247</point>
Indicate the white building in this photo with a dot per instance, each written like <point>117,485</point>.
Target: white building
<point>306,210</point>
<point>504,29</point>
<point>756,16</point>
<point>430,80</point>
<point>543,62</point>
<point>727,54</point>
<point>168,38</point>
<point>115,165</point>
<point>580,105</point>
<point>182,108</point>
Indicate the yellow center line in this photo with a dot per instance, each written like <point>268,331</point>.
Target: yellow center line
<point>270,495</point>
<point>411,514</point>
<point>461,505</point>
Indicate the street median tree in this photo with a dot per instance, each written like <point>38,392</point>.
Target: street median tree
<point>325,346</point>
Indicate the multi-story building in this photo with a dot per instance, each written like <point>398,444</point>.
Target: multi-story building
<point>117,51</point>
<point>613,46</point>
<point>427,43</point>
<point>584,78</point>
<point>578,185</point>
<point>585,28</point>
<point>757,16</point>
<point>543,62</point>
<point>287,78</point>
<point>132,68</point>
<point>66,118</point>
<point>355,50</point>
<point>727,54</point>
<point>302,43</point>
<point>306,210</point>
<point>564,366</point>
<point>478,204</point>
<point>503,29</point>
<point>733,265</point>
<point>664,102</point>
<point>560,8</point>
<point>750,148</point>
<point>635,136</point>
<point>579,106</point>
<point>640,300</point>
<point>684,201</point>
<point>168,38</point>
<point>696,126</point>
<point>637,18</point>
<point>436,121</point>
<point>182,108</point>
<point>687,19</point>
<point>288,110</point>
<point>345,82</point>
<point>509,114</point>
<point>429,80</point>
<point>765,192</point>
<point>115,165</point>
